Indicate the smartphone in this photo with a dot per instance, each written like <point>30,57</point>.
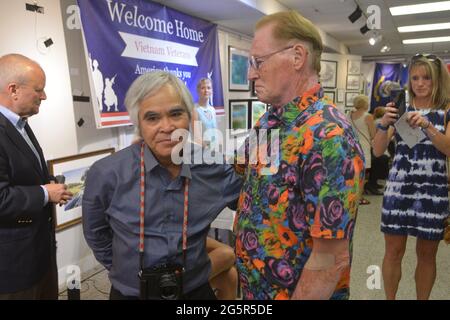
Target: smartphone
<point>398,96</point>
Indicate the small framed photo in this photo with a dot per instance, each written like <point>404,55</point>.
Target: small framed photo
<point>340,95</point>
<point>328,74</point>
<point>330,95</point>
<point>238,116</point>
<point>257,108</point>
<point>238,67</point>
<point>73,169</point>
<point>354,67</point>
<point>352,82</point>
<point>349,96</point>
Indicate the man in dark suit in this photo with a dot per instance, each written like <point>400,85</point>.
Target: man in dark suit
<point>27,236</point>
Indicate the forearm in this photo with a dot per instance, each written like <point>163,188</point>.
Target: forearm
<point>316,284</point>
<point>323,270</point>
<point>381,142</point>
<point>439,140</point>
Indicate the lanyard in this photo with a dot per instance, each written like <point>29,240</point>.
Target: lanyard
<point>142,211</point>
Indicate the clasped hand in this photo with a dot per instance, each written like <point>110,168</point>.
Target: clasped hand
<point>58,193</point>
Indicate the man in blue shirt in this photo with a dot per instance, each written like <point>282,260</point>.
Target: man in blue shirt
<point>27,234</point>
<point>137,202</point>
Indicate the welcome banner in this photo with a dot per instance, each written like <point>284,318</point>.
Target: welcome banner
<point>127,38</point>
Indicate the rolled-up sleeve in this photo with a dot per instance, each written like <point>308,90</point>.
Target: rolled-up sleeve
<point>96,200</point>
<point>232,184</point>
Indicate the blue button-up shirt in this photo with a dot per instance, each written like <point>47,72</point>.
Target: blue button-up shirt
<point>111,215</point>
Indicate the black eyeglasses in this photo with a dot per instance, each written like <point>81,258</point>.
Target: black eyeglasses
<point>255,62</point>
<point>429,57</point>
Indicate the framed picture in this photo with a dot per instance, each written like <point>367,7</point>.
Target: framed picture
<point>73,169</point>
<point>349,96</point>
<point>258,108</point>
<point>330,94</point>
<point>328,73</point>
<point>238,66</point>
<point>354,67</point>
<point>238,116</point>
<point>352,82</point>
<point>340,95</point>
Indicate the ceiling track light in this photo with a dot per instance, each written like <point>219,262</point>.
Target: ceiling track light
<point>385,48</point>
<point>355,14</point>
<point>364,29</point>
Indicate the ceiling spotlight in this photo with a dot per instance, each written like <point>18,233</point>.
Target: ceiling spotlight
<point>374,38</point>
<point>385,48</point>
<point>364,29</point>
<point>355,14</point>
<point>372,41</point>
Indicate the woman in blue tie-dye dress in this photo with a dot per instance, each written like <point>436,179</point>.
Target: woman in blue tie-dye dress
<point>416,200</point>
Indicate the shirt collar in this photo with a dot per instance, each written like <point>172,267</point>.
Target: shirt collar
<point>289,112</point>
<point>151,162</point>
<point>14,118</point>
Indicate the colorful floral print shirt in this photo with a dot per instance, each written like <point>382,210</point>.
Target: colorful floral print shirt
<point>313,194</point>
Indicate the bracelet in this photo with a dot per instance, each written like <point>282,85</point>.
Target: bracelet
<point>381,127</point>
<point>431,134</point>
<point>426,126</point>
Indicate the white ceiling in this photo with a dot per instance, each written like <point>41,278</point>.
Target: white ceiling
<point>332,17</point>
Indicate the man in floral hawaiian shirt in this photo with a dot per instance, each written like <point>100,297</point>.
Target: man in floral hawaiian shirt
<point>295,226</point>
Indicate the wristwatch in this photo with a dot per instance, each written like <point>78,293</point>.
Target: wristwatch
<point>381,127</point>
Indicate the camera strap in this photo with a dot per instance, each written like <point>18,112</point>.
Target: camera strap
<point>142,212</point>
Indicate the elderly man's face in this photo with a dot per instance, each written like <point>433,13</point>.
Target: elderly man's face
<point>274,74</point>
<point>30,94</point>
<point>159,116</point>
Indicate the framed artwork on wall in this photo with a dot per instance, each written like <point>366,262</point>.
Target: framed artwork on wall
<point>354,67</point>
<point>237,70</point>
<point>72,170</point>
<point>328,73</point>
<point>257,108</point>
<point>238,116</point>
<point>352,82</point>
<point>349,96</point>
<point>330,94</point>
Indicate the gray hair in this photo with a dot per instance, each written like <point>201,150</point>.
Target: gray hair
<point>147,85</point>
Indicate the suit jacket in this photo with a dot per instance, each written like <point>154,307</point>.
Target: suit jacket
<point>27,237</point>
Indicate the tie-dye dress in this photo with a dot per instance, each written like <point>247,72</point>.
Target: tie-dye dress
<point>416,197</point>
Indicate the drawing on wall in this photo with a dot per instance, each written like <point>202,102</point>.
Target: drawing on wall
<point>328,73</point>
<point>353,67</point>
<point>73,169</point>
<point>238,67</point>
<point>238,116</point>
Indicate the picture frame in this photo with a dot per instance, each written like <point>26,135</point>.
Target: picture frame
<point>239,114</point>
<point>349,96</point>
<point>331,95</point>
<point>354,67</point>
<point>237,69</point>
<point>257,110</point>
<point>340,95</point>
<point>352,82</point>
<point>328,73</point>
<point>73,169</point>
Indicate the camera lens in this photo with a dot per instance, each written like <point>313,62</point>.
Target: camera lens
<point>168,287</point>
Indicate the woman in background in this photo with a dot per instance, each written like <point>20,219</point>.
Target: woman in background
<point>416,197</point>
<point>364,125</point>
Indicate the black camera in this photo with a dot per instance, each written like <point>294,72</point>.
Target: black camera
<point>398,96</point>
<point>163,282</point>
